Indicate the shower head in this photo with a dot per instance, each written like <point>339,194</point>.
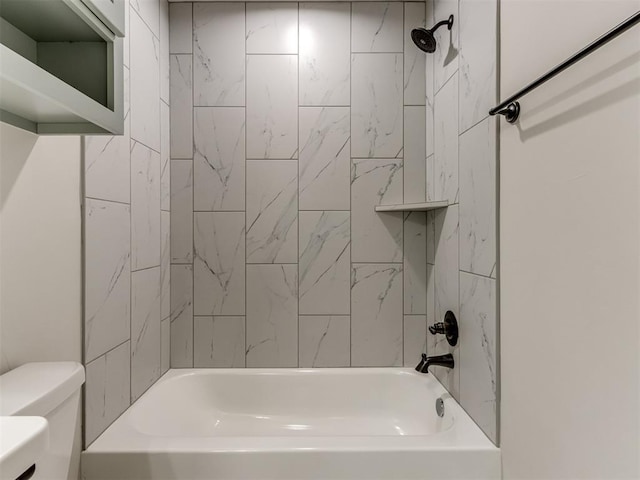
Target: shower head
<point>424,38</point>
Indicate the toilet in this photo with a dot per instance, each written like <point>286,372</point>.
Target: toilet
<point>50,390</point>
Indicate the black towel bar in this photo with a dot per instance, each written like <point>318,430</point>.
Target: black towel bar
<point>510,108</point>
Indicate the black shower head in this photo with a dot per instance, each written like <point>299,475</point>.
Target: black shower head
<point>424,38</point>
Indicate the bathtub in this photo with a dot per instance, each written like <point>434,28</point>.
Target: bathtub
<point>280,424</point>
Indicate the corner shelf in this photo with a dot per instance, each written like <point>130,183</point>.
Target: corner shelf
<point>412,207</point>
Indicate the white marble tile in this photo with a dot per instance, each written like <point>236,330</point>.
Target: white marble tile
<point>431,237</point>
<point>376,237</point>
<point>478,352</point>
<point>165,167</point>
<point>272,106</point>
<point>181,211</point>
<point>325,341</point>
<point>219,276</point>
<point>164,51</point>
<point>149,11</point>
<point>429,84</point>
<point>218,54</point>
<point>145,330</point>
<point>219,159</point>
<point>145,85</point>
<point>106,390</point>
<point>478,59</point>
<point>414,155</point>
<point>446,260</point>
<point>165,258</point>
<point>478,199</point>
<point>180,28</point>
<point>376,27</point>
<point>107,276</point>
<point>376,105</point>
<point>272,316</point>
<point>430,180</point>
<point>446,289</point>
<point>431,298</point>
<point>430,7</point>
<point>126,40</point>
<point>181,106</point>
<point>414,58</point>
<point>325,53</point>
<point>429,127</point>
<point>324,265</point>
<point>165,345</point>
<point>376,315</point>
<point>415,339</point>
<point>324,158</point>
<point>218,342</point>
<point>415,263</point>
<point>446,142</point>
<point>272,211</point>
<point>145,207</point>
<point>181,316</point>
<point>272,27</point>
<point>445,58</point>
<point>106,160</point>
<point>431,309</point>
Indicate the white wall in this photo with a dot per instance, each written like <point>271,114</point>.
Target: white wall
<point>40,253</point>
<point>570,245</point>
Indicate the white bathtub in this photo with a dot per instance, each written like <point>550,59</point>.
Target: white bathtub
<point>365,423</point>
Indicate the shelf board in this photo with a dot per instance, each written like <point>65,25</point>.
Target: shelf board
<point>412,207</point>
<point>34,99</point>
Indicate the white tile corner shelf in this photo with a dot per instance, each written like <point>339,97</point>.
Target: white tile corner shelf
<point>42,90</point>
<point>412,207</point>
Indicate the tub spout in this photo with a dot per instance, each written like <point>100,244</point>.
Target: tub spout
<point>422,362</point>
<point>440,360</point>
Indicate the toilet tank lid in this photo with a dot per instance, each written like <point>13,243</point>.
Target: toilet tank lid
<point>38,388</point>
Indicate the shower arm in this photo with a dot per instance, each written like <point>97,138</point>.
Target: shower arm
<point>448,22</point>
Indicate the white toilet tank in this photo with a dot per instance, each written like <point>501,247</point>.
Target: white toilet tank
<point>50,390</point>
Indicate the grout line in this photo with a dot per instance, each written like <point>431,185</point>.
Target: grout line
<point>130,149</point>
<point>144,144</point>
<point>478,275</point>
<point>145,268</point>
<point>117,202</point>
<point>298,190</point>
<point>376,263</point>
<point>378,53</point>
<point>159,126</point>
<point>475,124</point>
<point>193,190</point>
<point>351,166</point>
<point>245,61</point>
<point>267,160</point>
<point>404,172</point>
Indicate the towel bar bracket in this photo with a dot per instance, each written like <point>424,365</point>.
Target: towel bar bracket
<point>511,112</point>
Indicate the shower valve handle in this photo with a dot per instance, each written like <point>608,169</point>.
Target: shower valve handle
<point>449,328</point>
<point>437,328</point>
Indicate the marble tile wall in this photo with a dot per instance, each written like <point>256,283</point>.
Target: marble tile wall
<point>127,226</point>
<point>290,121</point>
<point>461,167</point>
